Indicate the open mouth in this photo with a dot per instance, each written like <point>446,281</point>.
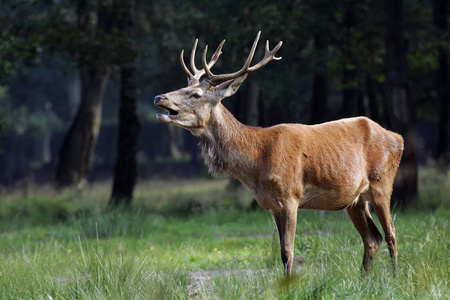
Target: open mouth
<point>171,112</point>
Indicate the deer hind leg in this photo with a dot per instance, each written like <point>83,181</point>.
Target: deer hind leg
<point>381,205</point>
<point>361,218</point>
<point>277,218</point>
<point>286,221</point>
<point>380,196</point>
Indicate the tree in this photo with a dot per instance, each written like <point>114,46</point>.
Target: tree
<point>125,171</point>
<point>18,38</point>
<point>319,101</point>
<point>440,15</point>
<point>77,151</point>
<point>351,92</point>
<point>401,109</point>
<point>322,34</point>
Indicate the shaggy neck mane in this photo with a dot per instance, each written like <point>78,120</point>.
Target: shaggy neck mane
<point>224,143</point>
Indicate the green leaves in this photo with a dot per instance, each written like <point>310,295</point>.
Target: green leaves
<point>38,123</point>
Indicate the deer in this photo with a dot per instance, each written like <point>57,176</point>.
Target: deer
<point>341,164</point>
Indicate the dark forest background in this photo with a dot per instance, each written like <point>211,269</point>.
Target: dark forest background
<point>77,81</point>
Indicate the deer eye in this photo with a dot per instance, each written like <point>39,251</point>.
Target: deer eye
<point>197,96</point>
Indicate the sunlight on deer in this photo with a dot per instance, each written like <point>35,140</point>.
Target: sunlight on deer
<point>344,164</point>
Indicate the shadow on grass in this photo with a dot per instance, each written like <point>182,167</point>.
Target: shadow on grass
<point>290,288</point>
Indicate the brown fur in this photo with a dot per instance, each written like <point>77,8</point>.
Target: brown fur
<point>330,166</point>
<point>326,167</point>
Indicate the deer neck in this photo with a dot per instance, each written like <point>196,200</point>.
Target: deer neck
<point>228,145</point>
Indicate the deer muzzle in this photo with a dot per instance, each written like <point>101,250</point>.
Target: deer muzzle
<point>162,102</point>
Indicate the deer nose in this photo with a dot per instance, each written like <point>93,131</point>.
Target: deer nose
<point>159,98</point>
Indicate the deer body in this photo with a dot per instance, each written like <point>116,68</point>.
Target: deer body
<point>311,164</point>
<point>336,165</point>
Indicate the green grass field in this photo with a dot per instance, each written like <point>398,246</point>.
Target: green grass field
<point>191,239</point>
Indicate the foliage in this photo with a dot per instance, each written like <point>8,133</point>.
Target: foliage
<point>18,46</point>
<point>20,121</point>
<point>434,188</point>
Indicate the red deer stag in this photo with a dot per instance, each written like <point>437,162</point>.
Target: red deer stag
<point>331,166</point>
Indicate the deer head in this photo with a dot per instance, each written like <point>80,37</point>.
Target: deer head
<point>191,107</point>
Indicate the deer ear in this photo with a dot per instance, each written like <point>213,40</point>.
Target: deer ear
<point>230,87</point>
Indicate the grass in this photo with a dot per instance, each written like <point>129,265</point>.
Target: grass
<point>189,239</point>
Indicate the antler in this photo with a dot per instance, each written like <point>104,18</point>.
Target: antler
<point>214,79</point>
<point>199,73</point>
<point>268,56</point>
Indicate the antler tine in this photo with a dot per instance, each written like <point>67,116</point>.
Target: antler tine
<point>216,55</point>
<point>214,78</point>
<point>205,65</point>
<point>213,60</point>
<point>194,49</point>
<point>268,56</point>
<point>183,65</point>
<point>199,73</point>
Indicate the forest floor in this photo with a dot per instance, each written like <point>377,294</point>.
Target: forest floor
<point>192,239</point>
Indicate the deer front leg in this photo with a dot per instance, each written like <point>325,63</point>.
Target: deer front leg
<point>286,220</point>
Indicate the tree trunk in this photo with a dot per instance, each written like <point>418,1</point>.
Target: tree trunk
<point>401,109</point>
<point>175,142</point>
<point>351,93</point>
<point>374,103</point>
<point>77,151</point>
<point>352,105</point>
<point>125,171</point>
<point>252,113</point>
<point>41,151</point>
<point>319,99</point>
<point>73,95</point>
<point>440,8</point>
